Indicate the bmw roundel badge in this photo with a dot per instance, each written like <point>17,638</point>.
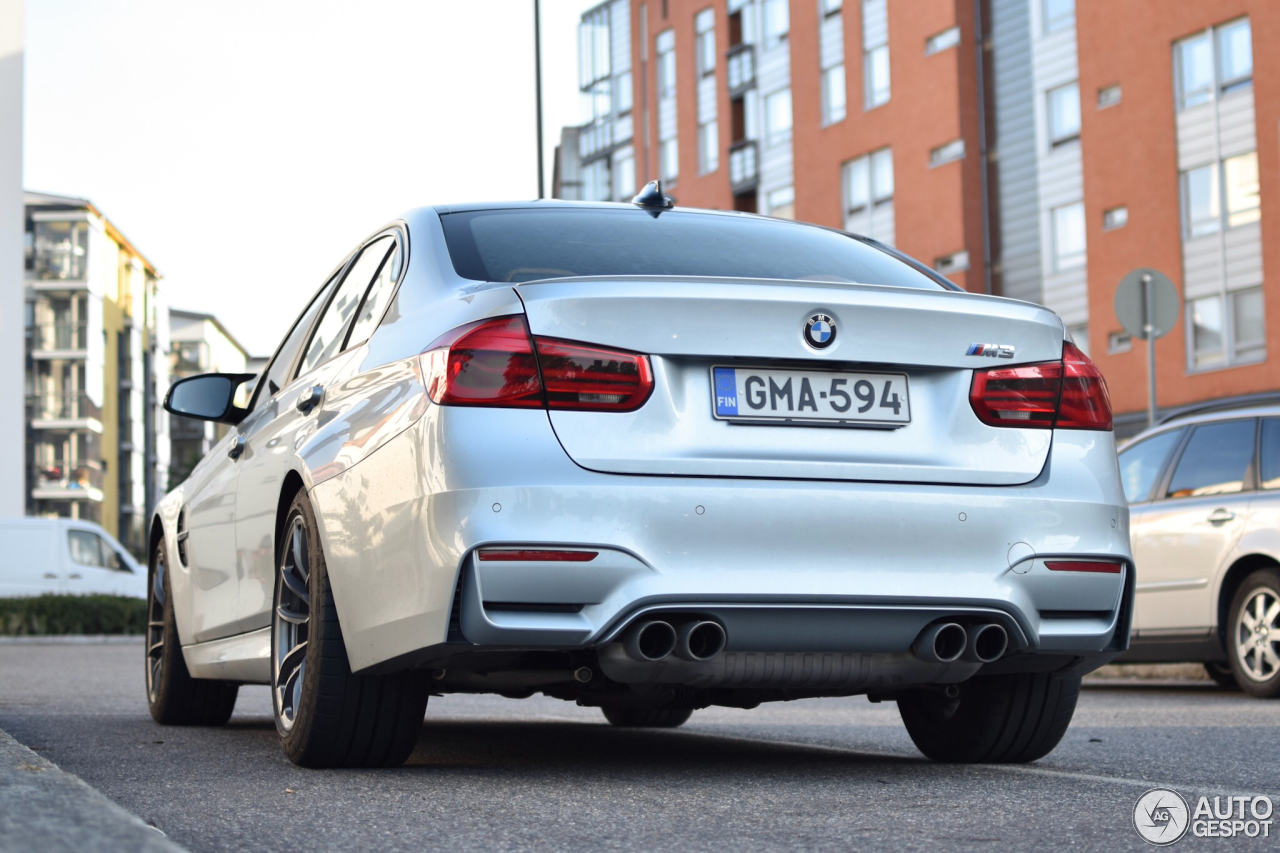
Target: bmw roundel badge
<point>820,331</point>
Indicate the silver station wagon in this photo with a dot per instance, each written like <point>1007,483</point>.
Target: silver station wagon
<point>648,460</point>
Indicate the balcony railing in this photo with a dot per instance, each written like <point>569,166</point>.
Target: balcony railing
<point>62,407</point>
<point>741,64</point>
<point>60,336</point>
<point>69,476</point>
<point>744,166</point>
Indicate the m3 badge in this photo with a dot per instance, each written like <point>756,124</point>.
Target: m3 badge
<point>991,350</point>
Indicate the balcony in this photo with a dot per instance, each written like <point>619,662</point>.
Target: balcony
<point>59,340</point>
<point>67,480</point>
<point>744,166</point>
<point>64,411</point>
<point>741,68</point>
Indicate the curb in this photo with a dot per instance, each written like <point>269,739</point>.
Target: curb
<point>44,808</point>
<point>73,640</point>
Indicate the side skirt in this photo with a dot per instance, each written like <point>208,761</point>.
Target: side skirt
<point>245,658</point>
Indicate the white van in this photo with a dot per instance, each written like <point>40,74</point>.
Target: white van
<point>63,555</point>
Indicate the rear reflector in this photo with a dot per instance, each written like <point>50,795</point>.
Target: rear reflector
<point>527,556</point>
<point>1067,394</point>
<point>498,363</point>
<point>1084,566</point>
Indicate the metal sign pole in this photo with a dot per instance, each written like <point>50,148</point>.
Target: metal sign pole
<point>1148,327</point>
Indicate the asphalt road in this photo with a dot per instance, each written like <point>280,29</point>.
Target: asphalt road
<point>496,774</point>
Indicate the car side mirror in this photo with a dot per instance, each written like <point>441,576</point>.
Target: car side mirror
<point>208,397</point>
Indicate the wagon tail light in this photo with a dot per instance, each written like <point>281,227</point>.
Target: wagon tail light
<point>1066,394</point>
<point>498,363</point>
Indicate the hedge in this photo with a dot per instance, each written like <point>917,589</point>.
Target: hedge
<point>45,615</point>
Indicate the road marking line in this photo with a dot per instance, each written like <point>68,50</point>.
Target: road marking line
<point>1008,768</point>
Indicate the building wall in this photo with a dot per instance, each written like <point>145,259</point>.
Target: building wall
<point>1131,158</point>
<point>12,429</point>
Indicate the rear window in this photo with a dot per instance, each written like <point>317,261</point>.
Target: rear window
<point>527,245</point>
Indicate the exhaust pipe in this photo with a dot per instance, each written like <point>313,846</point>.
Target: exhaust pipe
<point>649,641</point>
<point>987,643</point>
<point>700,641</point>
<point>942,642</point>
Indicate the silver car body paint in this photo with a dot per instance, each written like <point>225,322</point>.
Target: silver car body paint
<point>684,510</point>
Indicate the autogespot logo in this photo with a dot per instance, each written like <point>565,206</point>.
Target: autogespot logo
<point>1162,817</point>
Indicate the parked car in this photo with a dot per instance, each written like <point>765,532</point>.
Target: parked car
<point>67,556</point>
<point>648,460</point>
<point>1204,494</point>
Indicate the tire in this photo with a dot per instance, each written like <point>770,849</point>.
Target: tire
<point>173,696</point>
<point>998,719</point>
<point>1255,654</point>
<point>325,715</point>
<point>1222,674</point>
<point>647,718</point>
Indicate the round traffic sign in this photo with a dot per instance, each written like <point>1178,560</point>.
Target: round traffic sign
<point>1132,303</point>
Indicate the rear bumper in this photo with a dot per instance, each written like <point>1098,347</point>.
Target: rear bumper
<point>806,566</point>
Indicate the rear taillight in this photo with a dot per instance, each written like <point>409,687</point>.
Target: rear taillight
<point>1067,394</point>
<point>498,363</point>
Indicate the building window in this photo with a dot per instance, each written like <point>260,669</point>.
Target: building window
<point>708,147</point>
<point>1080,336</point>
<point>1108,96</point>
<point>61,250</point>
<point>668,146</point>
<point>782,203</point>
<point>875,58</point>
<point>1068,236</point>
<point>1119,342</point>
<point>624,178</point>
<point>777,22</point>
<point>1059,15</point>
<point>833,95</point>
<point>942,41</point>
<point>1229,187</point>
<point>953,263</point>
<point>777,111</point>
<point>831,7</point>
<point>1064,114</point>
<point>868,193</point>
<point>1116,217</point>
<point>953,150</point>
<point>705,23</point>
<point>623,93</point>
<point>1200,76</point>
<point>1224,339</point>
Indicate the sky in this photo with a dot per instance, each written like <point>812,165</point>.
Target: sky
<point>245,146</point>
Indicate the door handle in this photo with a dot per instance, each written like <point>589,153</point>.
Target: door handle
<point>1221,516</point>
<point>310,399</point>
<point>76,576</point>
<point>50,576</point>
<point>237,447</point>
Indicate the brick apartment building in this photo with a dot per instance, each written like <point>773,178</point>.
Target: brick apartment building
<point>1036,149</point>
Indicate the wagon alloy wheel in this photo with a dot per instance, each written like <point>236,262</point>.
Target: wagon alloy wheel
<point>1258,635</point>
<point>292,624</point>
<point>155,630</point>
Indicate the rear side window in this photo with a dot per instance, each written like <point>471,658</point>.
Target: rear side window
<point>375,301</point>
<point>1215,461</point>
<point>332,328</point>
<point>1142,462</point>
<point>1269,470</point>
<point>526,245</point>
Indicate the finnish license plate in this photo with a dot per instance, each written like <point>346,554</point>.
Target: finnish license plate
<point>749,394</point>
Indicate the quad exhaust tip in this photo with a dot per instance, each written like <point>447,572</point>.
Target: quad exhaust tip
<point>987,643</point>
<point>697,640</point>
<point>652,640</point>
<point>700,641</point>
<point>942,642</point>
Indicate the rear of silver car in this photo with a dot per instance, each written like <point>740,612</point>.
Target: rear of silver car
<point>665,492</point>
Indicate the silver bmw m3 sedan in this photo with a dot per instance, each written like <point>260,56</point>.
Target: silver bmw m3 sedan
<point>648,460</point>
